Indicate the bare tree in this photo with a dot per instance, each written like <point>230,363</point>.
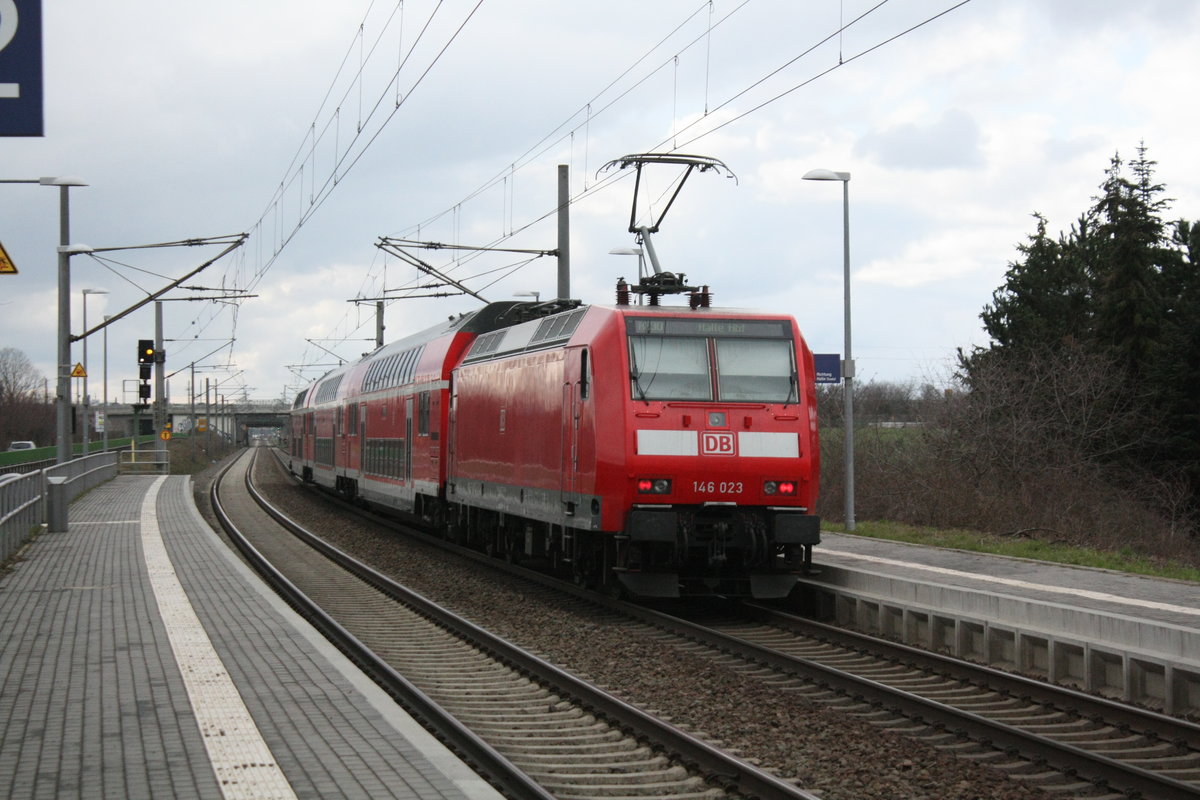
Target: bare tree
<point>19,381</point>
<point>23,412</point>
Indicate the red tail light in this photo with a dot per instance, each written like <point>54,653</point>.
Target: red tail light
<point>781,488</point>
<point>654,486</point>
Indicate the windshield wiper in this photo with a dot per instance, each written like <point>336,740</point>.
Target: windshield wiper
<point>635,375</point>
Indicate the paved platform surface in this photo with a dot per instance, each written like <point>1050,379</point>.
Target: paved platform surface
<point>1165,601</point>
<point>120,640</point>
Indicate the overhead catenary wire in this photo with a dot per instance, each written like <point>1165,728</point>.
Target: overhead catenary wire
<point>327,123</point>
<point>545,143</point>
<point>842,61</point>
<point>333,176</point>
<point>580,123</point>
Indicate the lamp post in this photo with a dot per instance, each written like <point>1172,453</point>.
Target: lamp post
<point>847,358</point>
<point>632,251</point>
<point>63,387</point>
<point>106,319</point>
<point>87,403</point>
<point>63,402</point>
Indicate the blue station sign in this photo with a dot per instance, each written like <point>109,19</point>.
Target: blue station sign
<point>828,367</point>
<point>21,68</point>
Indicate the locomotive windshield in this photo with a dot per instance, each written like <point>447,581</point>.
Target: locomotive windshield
<point>739,361</point>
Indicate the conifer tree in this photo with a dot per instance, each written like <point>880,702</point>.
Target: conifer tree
<point>1043,302</point>
<point>1175,374</point>
<point>1127,266</point>
<point>1121,289</point>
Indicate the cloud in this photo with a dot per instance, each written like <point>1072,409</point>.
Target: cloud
<point>948,255</point>
<point>184,120</point>
<point>950,142</point>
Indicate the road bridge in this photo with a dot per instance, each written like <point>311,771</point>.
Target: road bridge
<point>235,421</point>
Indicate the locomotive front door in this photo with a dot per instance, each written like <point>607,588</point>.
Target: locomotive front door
<point>571,401</point>
<point>569,484</point>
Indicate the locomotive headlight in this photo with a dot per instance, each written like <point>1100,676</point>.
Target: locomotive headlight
<point>654,486</point>
<point>782,488</point>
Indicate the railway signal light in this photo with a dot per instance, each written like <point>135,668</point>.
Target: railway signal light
<point>146,355</point>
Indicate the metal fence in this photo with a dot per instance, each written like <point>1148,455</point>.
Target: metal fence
<point>23,497</point>
<point>145,461</point>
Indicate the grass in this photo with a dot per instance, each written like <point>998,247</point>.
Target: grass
<point>188,458</point>
<point>1125,560</point>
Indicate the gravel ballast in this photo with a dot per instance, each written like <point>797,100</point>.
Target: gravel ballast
<point>824,750</point>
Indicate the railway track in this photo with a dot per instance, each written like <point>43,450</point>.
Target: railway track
<point>534,730</point>
<point>1051,736</point>
<point>1067,742</point>
<point>1064,741</point>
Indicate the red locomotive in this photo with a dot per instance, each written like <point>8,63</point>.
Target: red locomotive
<point>665,451</point>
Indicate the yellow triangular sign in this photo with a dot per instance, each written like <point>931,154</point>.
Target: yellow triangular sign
<point>7,267</point>
<point>78,372</point>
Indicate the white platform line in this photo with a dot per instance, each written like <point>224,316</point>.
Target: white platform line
<point>242,761</point>
<point>1016,584</point>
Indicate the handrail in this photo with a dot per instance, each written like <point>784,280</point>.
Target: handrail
<point>23,506</point>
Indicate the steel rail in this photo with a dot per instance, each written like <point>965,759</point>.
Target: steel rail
<point>497,769</point>
<point>721,767</point>
<point>1178,731</point>
<point>1063,757</point>
<point>1066,758</point>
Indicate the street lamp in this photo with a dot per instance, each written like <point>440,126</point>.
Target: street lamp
<point>87,403</point>
<point>63,402</point>
<point>537,296</point>
<point>632,251</point>
<point>106,420</point>
<point>848,360</point>
<point>63,389</point>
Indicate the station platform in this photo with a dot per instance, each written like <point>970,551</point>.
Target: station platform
<point>139,657</point>
<point>1128,636</point>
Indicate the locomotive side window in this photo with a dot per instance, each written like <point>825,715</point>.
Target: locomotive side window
<point>756,371</point>
<point>669,368</point>
<point>585,380</point>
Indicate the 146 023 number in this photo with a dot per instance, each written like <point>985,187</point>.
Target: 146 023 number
<point>718,487</point>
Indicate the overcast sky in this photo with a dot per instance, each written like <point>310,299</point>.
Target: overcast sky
<point>282,120</point>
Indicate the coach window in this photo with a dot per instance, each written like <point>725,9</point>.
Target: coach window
<point>423,415</point>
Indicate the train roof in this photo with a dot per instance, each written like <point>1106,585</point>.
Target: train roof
<point>403,353</point>
<point>500,328</point>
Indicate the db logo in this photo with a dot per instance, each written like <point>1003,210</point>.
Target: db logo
<point>717,444</point>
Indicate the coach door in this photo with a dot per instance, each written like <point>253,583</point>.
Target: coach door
<point>408,433</point>
<point>336,444</point>
<point>360,460</point>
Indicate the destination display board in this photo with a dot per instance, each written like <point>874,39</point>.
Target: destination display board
<point>675,326</point>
